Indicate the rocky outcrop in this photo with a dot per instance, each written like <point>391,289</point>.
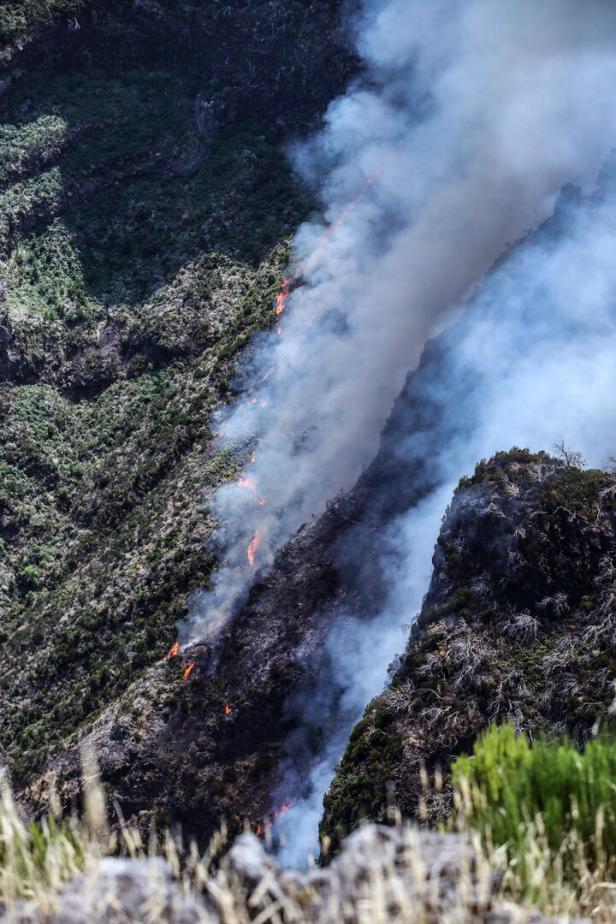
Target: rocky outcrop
<point>518,625</point>
<point>382,874</point>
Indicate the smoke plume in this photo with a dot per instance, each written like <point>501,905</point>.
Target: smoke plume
<point>469,119</point>
<point>530,363</point>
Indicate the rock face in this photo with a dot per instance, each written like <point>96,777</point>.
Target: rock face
<point>382,874</point>
<point>517,625</point>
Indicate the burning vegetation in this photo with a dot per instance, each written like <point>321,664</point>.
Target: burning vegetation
<point>264,828</point>
<point>283,296</point>
<point>253,548</point>
<point>189,670</point>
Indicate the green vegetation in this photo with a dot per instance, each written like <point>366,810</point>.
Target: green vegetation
<point>136,260</point>
<point>21,17</point>
<point>550,807</point>
<point>364,776</point>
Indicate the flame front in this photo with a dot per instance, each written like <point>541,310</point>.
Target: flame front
<point>173,651</point>
<point>189,670</point>
<point>253,548</point>
<point>228,709</point>
<point>281,298</point>
<point>248,483</point>
<point>262,829</point>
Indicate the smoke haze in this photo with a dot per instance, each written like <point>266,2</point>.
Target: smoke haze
<point>469,120</point>
<point>530,363</point>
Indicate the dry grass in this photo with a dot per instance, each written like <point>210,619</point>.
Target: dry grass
<point>398,874</point>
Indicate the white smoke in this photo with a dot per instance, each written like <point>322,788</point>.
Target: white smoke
<point>531,363</point>
<point>470,118</point>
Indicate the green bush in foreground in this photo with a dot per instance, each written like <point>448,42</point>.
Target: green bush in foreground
<point>547,807</point>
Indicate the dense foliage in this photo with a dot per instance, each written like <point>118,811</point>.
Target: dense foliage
<point>20,17</point>
<point>516,793</point>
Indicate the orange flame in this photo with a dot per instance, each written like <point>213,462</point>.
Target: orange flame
<point>262,829</point>
<point>262,502</point>
<point>253,458</point>
<point>189,670</point>
<point>173,651</point>
<point>228,709</point>
<point>248,483</point>
<point>283,295</point>
<point>283,809</point>
<point>253,548</point>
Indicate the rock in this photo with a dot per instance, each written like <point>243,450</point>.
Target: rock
<point>381,874</point>
<point>118,890</point>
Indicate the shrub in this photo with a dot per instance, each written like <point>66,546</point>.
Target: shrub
<point>549,809</point>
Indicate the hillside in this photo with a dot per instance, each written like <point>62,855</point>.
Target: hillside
<point>517,625</point>
<point>150,199</point>
<point>144,226</point>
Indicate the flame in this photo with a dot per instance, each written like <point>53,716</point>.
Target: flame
<point>253,548</point>
<point>173,651</point>
<point>283,809</point>
<point>262,502</point>
<point>253,458</point>
<point>228,709</point>
<point>283,295</point>
<point>262,829</point>
<point>248,483</point>
<point>189,670</point>
<point>285,286</point>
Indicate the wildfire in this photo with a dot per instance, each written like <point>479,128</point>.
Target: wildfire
<point>262,502</point>
<point>248,483</point>
<point>228,709</point>
<point>253,548</point>
<point>262,829</point>
<point>283,295</point>
<point>173,652</point>
<point>189,670</point>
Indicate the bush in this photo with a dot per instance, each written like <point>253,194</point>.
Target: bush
<point>549,808</point>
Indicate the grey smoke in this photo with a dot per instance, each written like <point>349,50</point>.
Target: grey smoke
<point>471,118</point>
<point>530,363</point>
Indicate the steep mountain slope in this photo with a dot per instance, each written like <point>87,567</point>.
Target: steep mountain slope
<point>144,224</point>
<point>145,216</point>
<point>235,739</point>
<point>518,624</point>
